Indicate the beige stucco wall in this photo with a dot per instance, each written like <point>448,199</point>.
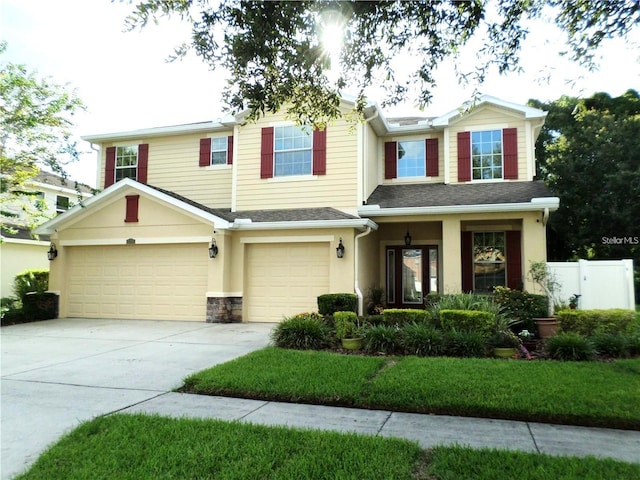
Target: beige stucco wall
<point>488,117</point>
<point>18,256</point>
<point>173,165</point>
<point>338,188</point>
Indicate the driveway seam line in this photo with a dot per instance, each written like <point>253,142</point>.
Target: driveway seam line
<point>535,444</point>
<point>384,423</point>
<point>132,405</point>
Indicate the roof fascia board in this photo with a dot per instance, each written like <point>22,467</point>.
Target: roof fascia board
<point>527,112</point>
<point>58,188</point>
<point>157,131</point>
<point>50,226</point>
<point>361,223</point>
<point>536,204</point>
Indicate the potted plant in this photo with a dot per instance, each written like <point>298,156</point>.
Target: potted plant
<point>573,301</point>
<point>348,330</point>
<point>528,340</point>
<point>540,274</point>
<point>504,343</point>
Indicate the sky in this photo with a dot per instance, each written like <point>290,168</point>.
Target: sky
<point>127,84</point>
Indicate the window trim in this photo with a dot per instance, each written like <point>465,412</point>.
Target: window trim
<point>298,129</point>
<point>471,156</point>
<point>135,166</point>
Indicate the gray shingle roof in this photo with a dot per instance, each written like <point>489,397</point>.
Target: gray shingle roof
<point>283,215</point>
<point>22,233</point>
<point>439,195</point>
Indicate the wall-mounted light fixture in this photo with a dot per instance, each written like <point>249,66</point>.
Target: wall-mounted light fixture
<point>340,249</point>
<point>213,248</point>
<point>407,239</point>
<point>52,253</point>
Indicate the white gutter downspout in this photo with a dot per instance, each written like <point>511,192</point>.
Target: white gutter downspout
<point>357,279</point>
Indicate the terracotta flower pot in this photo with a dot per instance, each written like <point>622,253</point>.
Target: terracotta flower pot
<point>546,326</point>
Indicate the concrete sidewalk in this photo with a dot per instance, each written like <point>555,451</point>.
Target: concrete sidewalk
<point>59,373</point>
<point>427,430</point>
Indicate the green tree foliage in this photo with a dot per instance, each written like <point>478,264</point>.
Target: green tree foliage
<point>274,54</point>
<point>35,124</point>
<point>589,155</point>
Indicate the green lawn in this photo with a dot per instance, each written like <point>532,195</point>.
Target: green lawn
<point>603,394</point>
<point>140,447</point>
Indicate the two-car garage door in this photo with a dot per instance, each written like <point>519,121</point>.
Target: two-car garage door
<point>163,282</point>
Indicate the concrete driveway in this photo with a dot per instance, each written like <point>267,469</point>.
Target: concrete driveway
<point>59,373</point>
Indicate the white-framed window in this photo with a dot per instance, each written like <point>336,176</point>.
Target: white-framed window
<point>411,158</point>
<point>486,155</point>
<point>489,261</point>
<point>292,150</point>
<point>126,162</point>
<point>62,204</point>
<point>219,150</point>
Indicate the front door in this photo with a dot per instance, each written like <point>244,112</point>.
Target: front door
<point>412,273</point>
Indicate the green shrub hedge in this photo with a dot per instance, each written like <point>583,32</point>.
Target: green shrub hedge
<point>31,281</point>
<point>520,305</point>
<point>330,303</point>
<point>404,316</point>
<point>591,322</point>
<point>345,323</point>
<point>467,321</point>
<point>302,332</point>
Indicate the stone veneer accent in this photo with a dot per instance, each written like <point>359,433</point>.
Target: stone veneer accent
<point>224,309</point>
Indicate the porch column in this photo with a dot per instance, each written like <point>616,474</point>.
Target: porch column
<point>534,246</point>
<point>451,260</point>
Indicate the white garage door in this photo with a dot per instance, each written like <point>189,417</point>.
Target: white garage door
<point>159,282</point>
<point>284,279</point>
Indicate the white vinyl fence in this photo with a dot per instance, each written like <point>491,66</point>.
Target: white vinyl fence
<point>600,283</point>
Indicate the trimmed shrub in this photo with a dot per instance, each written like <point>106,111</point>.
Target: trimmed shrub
<point>302,332</point>
<point>373,320</point>
<point>10,311</point>
<point>422,340</point>
<point>590,322</point>
<point>521,305</point>
<point>385,339</point>
<point>611,344</point>
<point>569,346</point>
<point>345,324</point>
<point>31,281</point>
<point>467,320</point>
<point>404,316</point>
<point>40,306</point>
<point>330,303</point>
<point>465,344</point>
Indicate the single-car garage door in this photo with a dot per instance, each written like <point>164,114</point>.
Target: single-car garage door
<point>284,279</point>
<point>163,282</point>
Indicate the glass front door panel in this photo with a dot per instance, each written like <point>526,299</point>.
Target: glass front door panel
<point>412,275</point>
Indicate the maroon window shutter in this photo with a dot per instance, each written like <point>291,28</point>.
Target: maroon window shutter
<point>464,156</point>
<point>266,153</point>
<point>230,150</point>
<point>131,214</point>
<point>432,157</point>
<point>466,256</point>
<point>510,151</point>
<point>390,160</point>
<point>205,152</point>
<point>320,152</point>
<point>110,167</point>
<point>514,259</point>
<point>143,160</point>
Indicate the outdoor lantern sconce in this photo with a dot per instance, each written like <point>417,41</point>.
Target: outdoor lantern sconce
<point>213,249</point>
<point>340,249</point>
<point>407,239</point>
<point>52,253</point>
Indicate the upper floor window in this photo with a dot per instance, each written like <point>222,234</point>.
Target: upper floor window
<point>62,204</point>
<point>486,155</point>
<point>219,150</point>
<point>129,161</point>
<point>292,151</point>
<point>411,159</point>
<point>126,162</point>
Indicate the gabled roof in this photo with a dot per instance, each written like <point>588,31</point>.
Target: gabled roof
<point>527,112</point>
<point>56,181</point>
<point>458,198</point>
<point>223,219</point>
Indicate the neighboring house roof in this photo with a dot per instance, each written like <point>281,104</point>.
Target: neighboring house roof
<point>56,181</point>
<point>21,233</point>
<point>450,198</point>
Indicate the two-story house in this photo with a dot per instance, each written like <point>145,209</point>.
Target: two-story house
<point>20,250</point>
<point>232,221</point>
